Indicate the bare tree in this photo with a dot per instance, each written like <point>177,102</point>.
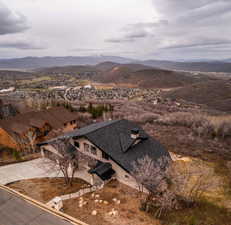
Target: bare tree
<point>192,180</point>
<point>66,160</point>
<point>22,143</point>
<point>170,183</point>
<point>153,176</point>
<point>31,137</point>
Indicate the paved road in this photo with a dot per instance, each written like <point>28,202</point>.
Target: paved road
<point>31,169</point>
<point>15,209</point>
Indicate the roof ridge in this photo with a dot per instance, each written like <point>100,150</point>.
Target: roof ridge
<point>112,122</point>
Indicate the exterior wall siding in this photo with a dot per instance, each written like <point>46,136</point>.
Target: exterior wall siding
<point>121,174</point>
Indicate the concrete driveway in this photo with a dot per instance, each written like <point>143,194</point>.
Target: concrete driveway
<point>31,169</point>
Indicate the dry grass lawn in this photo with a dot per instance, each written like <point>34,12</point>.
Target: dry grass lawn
<point>44,189</point>
<point>128,209</point>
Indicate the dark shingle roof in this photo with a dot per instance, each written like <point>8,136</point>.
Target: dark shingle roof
<point>103,170</point>
<point>113,137</point>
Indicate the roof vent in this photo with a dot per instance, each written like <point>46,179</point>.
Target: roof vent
<point>135,133</point>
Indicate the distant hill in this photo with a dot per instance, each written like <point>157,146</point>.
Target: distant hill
<point>213,66</point>
<point>136,74</point>
<point>105,66</point>
<point>41,62</point>
<point>101,67</point>
<point>146,77</point>
<point>67,69</point>
<point>215,94</point>
<point>107,62</point>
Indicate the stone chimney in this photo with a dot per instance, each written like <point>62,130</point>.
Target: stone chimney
<point>135,133</point>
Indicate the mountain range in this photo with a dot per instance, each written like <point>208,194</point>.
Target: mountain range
<point>41,62</point>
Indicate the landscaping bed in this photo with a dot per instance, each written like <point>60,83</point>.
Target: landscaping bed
<point>45,189</point>
<point>128,208</point>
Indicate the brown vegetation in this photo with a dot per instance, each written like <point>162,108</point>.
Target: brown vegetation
<point>128,209</point>
<point>45,189</point>
<point>201,124</point>
<point>215,94</point>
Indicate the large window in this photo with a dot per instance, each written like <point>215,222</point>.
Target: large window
<point>93,150</point>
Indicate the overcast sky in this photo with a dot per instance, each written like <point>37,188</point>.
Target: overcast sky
<point>142,29</point>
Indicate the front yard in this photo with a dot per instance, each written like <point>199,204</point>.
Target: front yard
<point>45,189</point>
<point>96,208</point>
<point>124,200</point>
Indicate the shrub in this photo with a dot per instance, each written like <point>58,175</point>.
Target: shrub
<point>201,124</point>
<point>16,155</point>
<point>148,117</point>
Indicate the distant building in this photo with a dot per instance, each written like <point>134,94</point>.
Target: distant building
<point>88,86</point>
<point>3,91</point>
<point>41,124</point>
<point>58,88</point>
<point>7,110</point>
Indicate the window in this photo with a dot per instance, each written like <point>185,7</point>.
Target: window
<point>105,156</point>
<point>86,147</point>
<point>76,143</point>
<point>72,122</point>
<point>126,176</point>
<point>93,150</point>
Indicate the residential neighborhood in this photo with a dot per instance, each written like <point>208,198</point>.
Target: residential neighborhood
<point>115,112</point>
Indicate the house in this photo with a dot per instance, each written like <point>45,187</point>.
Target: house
<point>7,110</point>
<point>39,125</point>
<point>115,145</point>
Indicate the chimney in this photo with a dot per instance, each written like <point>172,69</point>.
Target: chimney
<point>135,133</point>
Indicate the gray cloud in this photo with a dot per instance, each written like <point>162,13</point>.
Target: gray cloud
<point>182,26</point>
<point>195,27</point>
<point>119,40</point>
<point>136,35</point>
<point>133,32</point>
<point>86,49</point>
<point>11,22</point>
<point>200,42</point>
<point>22,45</point>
